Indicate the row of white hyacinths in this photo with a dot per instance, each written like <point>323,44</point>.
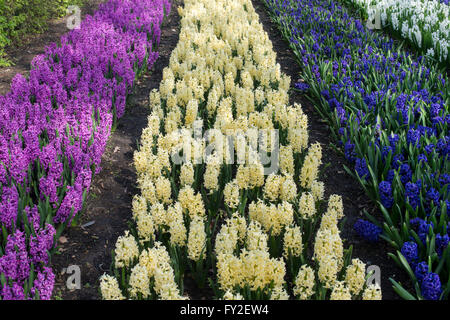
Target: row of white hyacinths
<point>425,23</point>
<point>229,226</point>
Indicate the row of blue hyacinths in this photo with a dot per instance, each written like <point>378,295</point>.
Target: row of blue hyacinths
<point>389,112</point>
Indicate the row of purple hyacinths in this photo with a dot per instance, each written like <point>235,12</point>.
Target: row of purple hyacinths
<point>53,130</point>
<point>389,112</point>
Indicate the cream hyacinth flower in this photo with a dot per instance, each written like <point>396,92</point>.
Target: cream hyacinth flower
<point>355,276</point>
<point>197,240</point>
<point>372,292</point>
<point>126,250</point>
<point>304,283</point>
<point>340,292</point>
<point>109,287</point>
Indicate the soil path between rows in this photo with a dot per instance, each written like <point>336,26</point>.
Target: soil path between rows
<point>335,178</point>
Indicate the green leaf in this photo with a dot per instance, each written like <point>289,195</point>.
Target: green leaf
<point>401,291</point>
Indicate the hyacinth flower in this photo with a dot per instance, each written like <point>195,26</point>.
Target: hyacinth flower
<point>367,230</point>
<point>24,274</point>
<point>385,106</point>
<point>55,125</point>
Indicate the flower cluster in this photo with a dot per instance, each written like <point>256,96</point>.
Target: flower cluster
<point>367,230</point>
<point>55,124</point>
<point>23,259</point>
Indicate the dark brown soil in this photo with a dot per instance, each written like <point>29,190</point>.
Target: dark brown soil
<point>336,179</point>
<point>22,55</point>
<point>109,202</point>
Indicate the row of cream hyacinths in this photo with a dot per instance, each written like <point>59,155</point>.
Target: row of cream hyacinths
<point>425,23</point>
<point>249,234</point>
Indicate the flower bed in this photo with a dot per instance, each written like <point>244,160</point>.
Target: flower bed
<point>54,127</point>
<point>389,111</point>
<point>423,23</point>
<point>212,196</point>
